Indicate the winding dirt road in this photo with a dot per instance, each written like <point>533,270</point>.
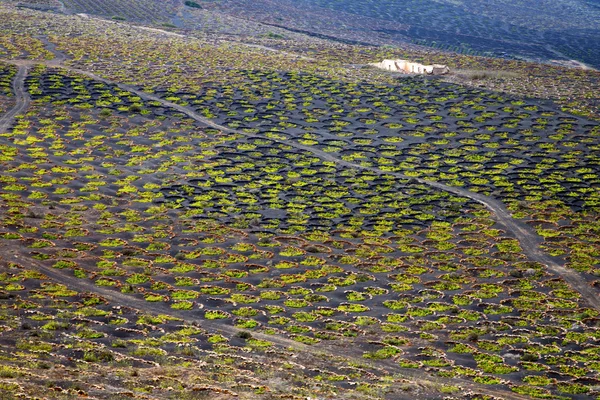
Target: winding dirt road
<point>305,354</point>
<point>529,240</point>
<point>22,99</point>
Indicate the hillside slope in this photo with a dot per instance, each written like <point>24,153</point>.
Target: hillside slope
<point>201,214</point>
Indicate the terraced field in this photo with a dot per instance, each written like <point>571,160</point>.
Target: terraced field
<point>139,11</point>
<point>286,232</point>
<point>541,31</point>
<point>557,31</point>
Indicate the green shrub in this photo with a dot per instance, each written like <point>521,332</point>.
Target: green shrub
<point>215,314</point>
<point>192,4</point>
<point>182,305</point>
<point>137,279</point>
<point>9,372</point>
<point>386,352</point>
<point>64,264</point>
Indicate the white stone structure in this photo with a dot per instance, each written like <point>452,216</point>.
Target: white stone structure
<point>412,68</point>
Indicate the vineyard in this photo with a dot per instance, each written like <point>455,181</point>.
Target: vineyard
<point>132,10</point>
<point>188,218</point>
<point>501,29</point>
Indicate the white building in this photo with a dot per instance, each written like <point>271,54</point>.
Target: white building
<point>412,68</point>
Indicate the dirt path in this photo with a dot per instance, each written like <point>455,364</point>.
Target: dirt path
<point>285,53</point>
<point>59,56</point>
<point>85,286</point>
<point>22,99</point>
<point>529,240</point>
<point>305,353</point>
<point>567,61</point>
<point>527,237</point>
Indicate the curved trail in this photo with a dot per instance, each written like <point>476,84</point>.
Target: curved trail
<point>59,56</point>
<point>568,61</point>
<point>527,237</point>
<point>140,304</point>
<point>22,99</point>
<point>285,53</point>
<point>305,352</point>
